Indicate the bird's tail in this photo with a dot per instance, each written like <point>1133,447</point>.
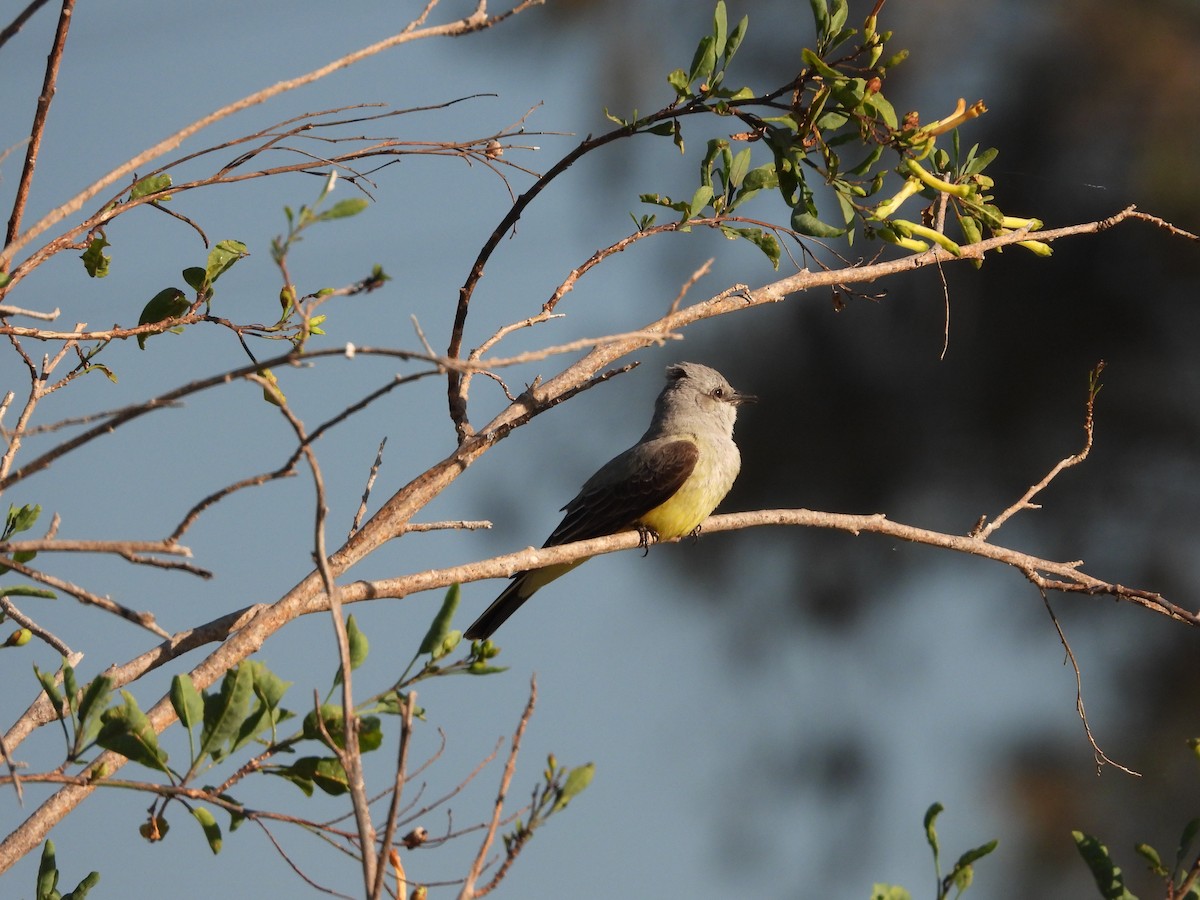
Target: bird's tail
<point>523,586</point>
<point>502,607</point>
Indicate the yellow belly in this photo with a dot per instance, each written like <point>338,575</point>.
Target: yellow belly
<point>705,488</point>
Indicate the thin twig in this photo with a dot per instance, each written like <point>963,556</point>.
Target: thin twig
<point>690,283</point>
<point>144,619</point>
<point>1101,757</point>
<point>19,22</point>
<point>349,753</point>
<point>457,524</point>
<point>477,21</point>
<point>6,310</point>
<point>10,610</point>
<point>468,889</point>
<point>53,62</point>
<point>366,496</point>
<point>408,705</point>
<point>983,533</point>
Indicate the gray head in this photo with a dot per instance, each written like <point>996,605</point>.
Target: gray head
<point>697,398</point>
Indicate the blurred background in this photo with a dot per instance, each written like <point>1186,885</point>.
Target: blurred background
<point>770,712</point>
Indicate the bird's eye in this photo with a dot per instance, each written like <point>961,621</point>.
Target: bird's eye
<point>718,393</point>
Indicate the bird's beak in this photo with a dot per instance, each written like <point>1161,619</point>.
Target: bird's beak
<point>740,397</point>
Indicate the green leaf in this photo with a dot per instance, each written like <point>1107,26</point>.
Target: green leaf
<point>720,28</point>
<point>169,303</point>
<point>883,109</point>
<point>819,65</point>
<point>300,779</point>
<point>980,162</point>
<point>704,61</point>
<point>196,278</point>
<point>268,687</point>
<point>126,730</point>
<point>678,79</point>
<point>186,701</point>
<point>70,686</point>
<point>820,10</point>
<point>98,367</point>
<point>323,772</point>
<point>889,892</point>
<point>1185,840</point>
<point>91,710</point>
<point>95,262</point>
<point>25,590</point>
<point>764,241</point>
<point>20,519</point>
<point>221,257</point>
<point>964,862</point>
<point>225,711</point>
<point>479,667</point>
<point>735,38</point>
<point>1108,876</point>
<point>53,694</point>
<point>343,209</point>
<point>151,184</point>
<point>81,889</point>
<point>931,815</point>
<point>47,878</point>
<point>440,627</point>
<point>765,176</point>
<point>740,168</point>
<point>838,11</point>
<point>865,166</point>
<point>700,200</point>
<point>577,781</point>
<point>358,648</point>
<point>272,393</point>
<point>212,831</point>
<point>805,222</point>
<point>1150,855</point>
<point>370,733</point>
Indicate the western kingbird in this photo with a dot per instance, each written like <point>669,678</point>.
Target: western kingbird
<point>665,485</point>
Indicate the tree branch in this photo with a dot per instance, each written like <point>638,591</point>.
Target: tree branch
<point>476,21</point>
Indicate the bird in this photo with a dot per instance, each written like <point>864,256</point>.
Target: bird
<point>665,485</point>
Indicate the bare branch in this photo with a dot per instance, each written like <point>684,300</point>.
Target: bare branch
<point>1026,500</point>
<point>349,753</point>
<point>53,61</point>
<point>19,22</point>
<point>362,506</point>
<point>476,21</point>
<point>407,706</point>
<point>1101,757</point>
<point>468,889</point>
<point>6,310</point>
<point>10,610</point>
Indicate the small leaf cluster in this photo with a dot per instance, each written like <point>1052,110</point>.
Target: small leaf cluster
<point>558,787</point>
<point>155,186</point>
<point>47,878</point>
<point>954,882</point>
<point>78,711</point>
<point>18,519</point>
<point>1181,880</point>
<point>296,312</point>
<point>172,302</point>
<point>810,125</point>
<point>242,717</point>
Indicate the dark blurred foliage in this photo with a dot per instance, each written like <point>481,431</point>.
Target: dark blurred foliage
<point>1093,105</point>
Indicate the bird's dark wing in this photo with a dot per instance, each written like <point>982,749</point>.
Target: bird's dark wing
<point>622,492</point>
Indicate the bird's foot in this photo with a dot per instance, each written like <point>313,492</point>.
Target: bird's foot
<point>694,534</point>
<point>646,537</point>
